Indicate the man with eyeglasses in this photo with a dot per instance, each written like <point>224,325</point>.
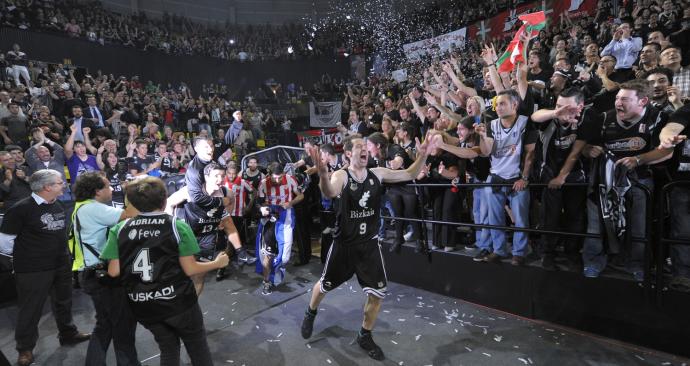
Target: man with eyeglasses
<point>624,47</point>
<point>35,234</point>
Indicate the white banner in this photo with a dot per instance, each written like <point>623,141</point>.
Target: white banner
<point>400,75</point>
<point>415,50</point>
<point>324,114</point>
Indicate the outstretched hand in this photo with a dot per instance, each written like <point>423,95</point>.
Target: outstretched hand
<point>315,155</point>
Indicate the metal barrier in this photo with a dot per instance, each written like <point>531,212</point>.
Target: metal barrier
<point>648,253</point>
<point>665,241</point>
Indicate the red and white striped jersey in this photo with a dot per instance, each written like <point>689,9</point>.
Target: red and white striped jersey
<point>278,194</point>
<point>241,189</point>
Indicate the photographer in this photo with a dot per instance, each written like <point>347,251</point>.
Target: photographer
<point>91,219</point>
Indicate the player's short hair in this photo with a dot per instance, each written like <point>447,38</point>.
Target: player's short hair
<point>211,167</point>
<point>327,148</point>
<point>147,194</point>
<point>275,167</point>
<point>573,92</point>
<point>643,88</point>
<point>347,142</point>
<point>197,140</point>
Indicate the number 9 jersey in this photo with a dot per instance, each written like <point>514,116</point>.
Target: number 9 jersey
<point>358,217</point>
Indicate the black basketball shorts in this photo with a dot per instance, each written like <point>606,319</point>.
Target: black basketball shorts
<point>365,260</point>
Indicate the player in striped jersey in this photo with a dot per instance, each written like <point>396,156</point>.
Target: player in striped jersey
<point>242,191</point>
<point>278,193</point>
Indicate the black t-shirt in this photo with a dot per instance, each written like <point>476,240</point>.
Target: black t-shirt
<point>254,180</point>
<point>116,178</point>
<point>680,166</point>
<point>561,139</point>
<point>204,223</point>
<point>140,164</point>
<point>41,243</point>
<point>358,216</point>
<point>623,141</point>
<point>449,160</point>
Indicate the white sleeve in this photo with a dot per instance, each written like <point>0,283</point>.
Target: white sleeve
<point>7,244</point>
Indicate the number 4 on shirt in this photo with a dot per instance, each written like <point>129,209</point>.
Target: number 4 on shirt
<point>142,265</point>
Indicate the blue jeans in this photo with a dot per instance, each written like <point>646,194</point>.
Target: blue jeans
<point>519,204</point>
<point>480,213</point>
<point>385,206</point>
<point>680,229</point>
<point>593,252</point>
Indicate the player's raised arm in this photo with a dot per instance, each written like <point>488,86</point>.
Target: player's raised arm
<point>330,187</point>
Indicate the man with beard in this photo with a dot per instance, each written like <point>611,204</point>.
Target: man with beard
<point>356,248</point>
<point>278,194</point>
<point>665,96</point>
<point>649,59</point>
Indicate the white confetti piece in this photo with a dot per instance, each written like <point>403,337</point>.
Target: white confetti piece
<point>221,319</point>
<point>401,363</point>
<point>386,311</point>
<point>416,338</point>
<point>468,349</point>
<point>516,347</point>
<point>485,331</point>
<point>434,324</point>
<point>401,320</point>
<point>308,345</point>
<point>456,330</point>
<point>486,354</point>
<point>640,357</point>
<point>498,338</point>
<point>549,330</point>
<point>257,327</point>
<point>232,322</point>
<point>233,304</point>
<point>329,360</point>
<point>279,334</point>
<point>397,333</point>
<point>394,342</point>
<point>205,312</point>
<point>529,360</point>
<point>229,361</point>
<point>272,340</point>
<point>523,361</point>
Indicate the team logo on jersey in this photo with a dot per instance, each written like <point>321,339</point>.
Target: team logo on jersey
<point>132,234</point>
<point>353,186</point>
<point>629,144</point>
<point>364,199</point>
<point>643,128</point>
<point>166,293</point>
<point>371,181</point>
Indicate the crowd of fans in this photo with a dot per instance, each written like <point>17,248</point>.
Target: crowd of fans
<point>584,80</point>
<point>178,35</point>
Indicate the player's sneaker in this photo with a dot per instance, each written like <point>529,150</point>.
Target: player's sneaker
<point>220,274</point>
<point>267,288</point>
<point>367,343</point>
<point>308,324</point>
<point>245,258</point>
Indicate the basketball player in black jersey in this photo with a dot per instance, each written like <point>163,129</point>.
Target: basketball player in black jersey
<point>356,248</point>
<point>153,254</point>
<point>208,225</point>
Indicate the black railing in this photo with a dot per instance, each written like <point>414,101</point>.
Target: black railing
<point>648,251</point>
<point>665,241</point>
